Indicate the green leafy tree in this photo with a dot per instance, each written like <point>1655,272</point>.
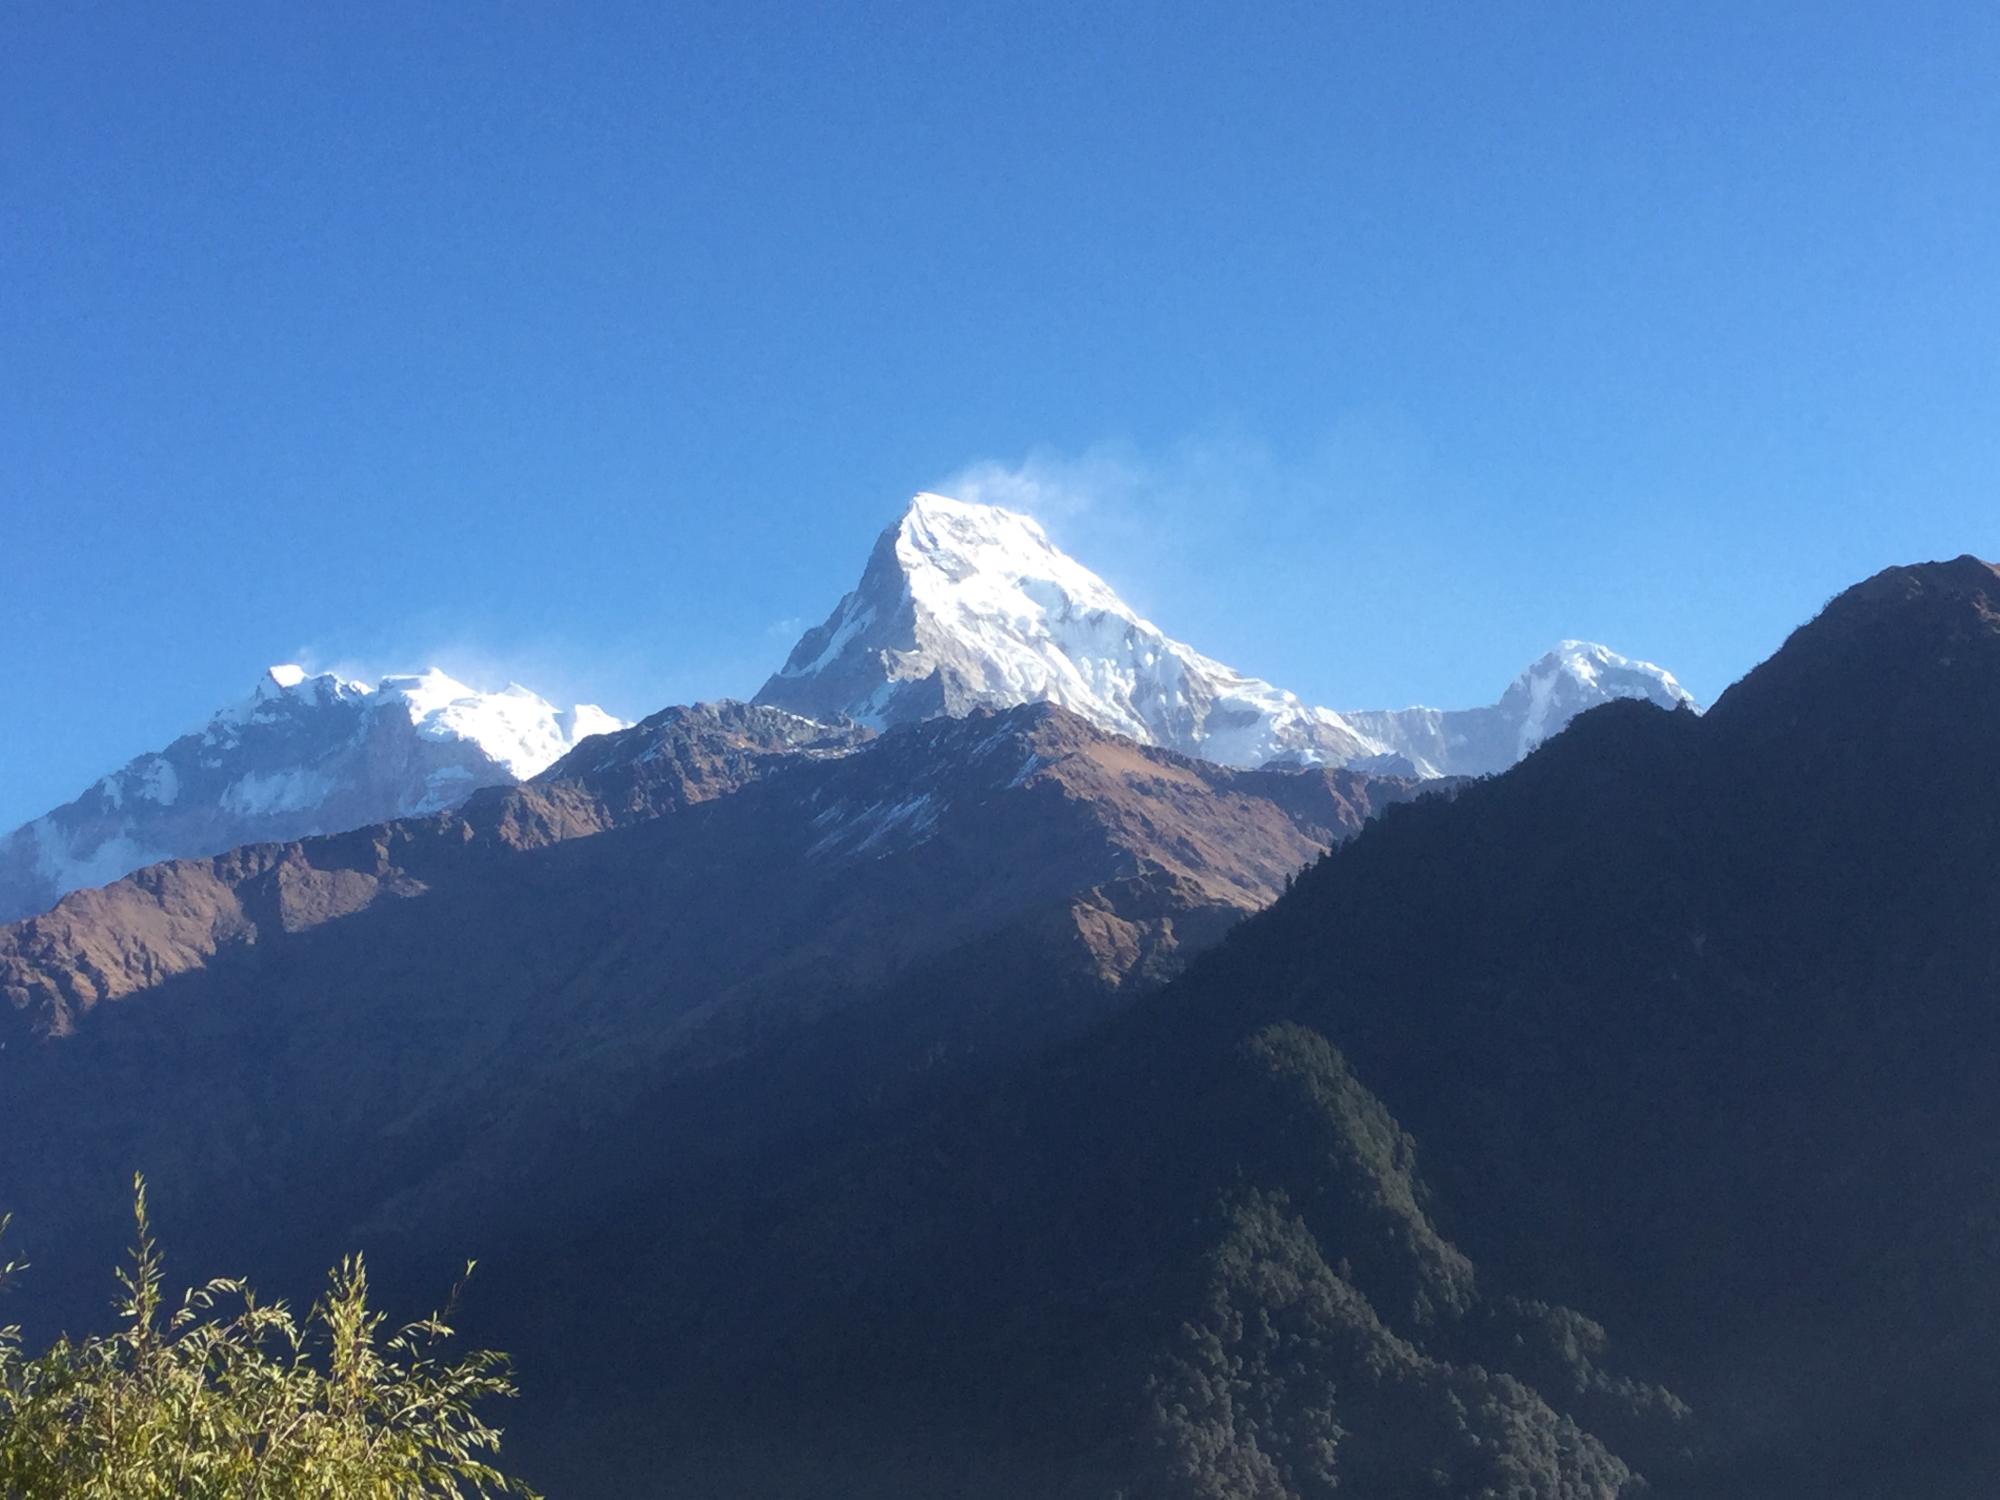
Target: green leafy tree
<point>223,1397</point>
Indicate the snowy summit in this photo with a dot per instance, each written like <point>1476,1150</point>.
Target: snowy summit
<point>965,606</point>
<point>303,754</point>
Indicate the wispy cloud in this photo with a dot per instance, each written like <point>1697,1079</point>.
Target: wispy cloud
<point>1134,515</point>
<point>1053,486</point>
<point>1364,459</point>
<point>1263,556</point>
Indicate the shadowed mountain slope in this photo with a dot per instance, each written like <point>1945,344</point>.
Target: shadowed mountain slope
<point>1686,1022</point>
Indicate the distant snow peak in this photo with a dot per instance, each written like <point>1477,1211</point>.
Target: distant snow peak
<point>289,680</point>
<point>283,690</point>
<point>1591,664</point>
<point>1549,692</point>
<point>1581,674</point>
<point>304,753</point>
<point>520,730</point>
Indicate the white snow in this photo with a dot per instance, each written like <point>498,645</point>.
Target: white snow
<point>514,727</point>
<point>586,719</point>
<point>851,626</point>
<point>1539,703</point>
<point>262,793</point>
<point>877,828</point>
<point>1029,766</point>
<point>1541,690</point>
<point>445,787</point>
<point>281,692</point>
<point>1582,674</point>
<point>160,783</point>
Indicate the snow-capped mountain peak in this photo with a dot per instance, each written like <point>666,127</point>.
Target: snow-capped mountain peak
<point>304,753</point>
<point>1549,692</point>
<point>965,606</point>
<point>960,607</point>
<point>283,689</point>
<point>521,730</point>
<point>1576,675</point>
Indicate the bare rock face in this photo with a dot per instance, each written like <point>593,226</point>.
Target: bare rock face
<point>302,755</point>
<point>690,754</point>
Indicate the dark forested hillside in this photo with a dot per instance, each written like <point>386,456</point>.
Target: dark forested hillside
<point>1708,1041</point>
<point>1631,1113</point>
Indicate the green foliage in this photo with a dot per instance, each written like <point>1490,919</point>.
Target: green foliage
<point>1336,1343</point>
<point>225,1396</point>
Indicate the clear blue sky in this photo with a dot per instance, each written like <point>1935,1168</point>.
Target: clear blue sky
<point>1370,348</point>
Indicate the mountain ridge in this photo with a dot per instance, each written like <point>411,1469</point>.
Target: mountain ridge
<point>1228,837</point>
<point>960,606</point>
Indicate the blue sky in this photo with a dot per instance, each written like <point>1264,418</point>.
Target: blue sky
<point>1369,348</point>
